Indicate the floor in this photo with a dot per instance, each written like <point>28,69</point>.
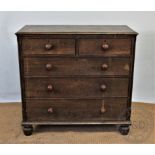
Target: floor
<point>141,131</point>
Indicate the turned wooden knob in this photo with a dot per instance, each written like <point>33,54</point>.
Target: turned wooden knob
<point>105,46</point>
<point>48,46</point>
<point>103,87</point>
<point>103,110</point>
<point>50,110</point>
<point>48,67</point>
<point>104,66</point>
<point>50,87</point>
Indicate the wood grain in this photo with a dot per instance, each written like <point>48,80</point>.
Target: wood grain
<point>76,74</point>
<point>76,67</point>
<point>76,87</point>
<point>76,110</point>
<point>38,46</point>
<point>76,29</point>
<point>117,47</point>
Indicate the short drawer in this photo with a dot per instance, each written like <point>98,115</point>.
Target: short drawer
<point>76,87</point>
<point>76,110</point>
<point>77,67</point>
<point>105,47</point>
<point>48,46</point>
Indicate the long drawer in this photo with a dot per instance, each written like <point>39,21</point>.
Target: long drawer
<point>76,87</point>
<point>76,110</point>
<point>76,67</point>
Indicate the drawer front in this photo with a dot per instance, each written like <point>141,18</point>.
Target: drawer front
<point>76,87</point>
<point>76,110</point>
<point>48,46</point>
<point>71,66</point>
<point>105,47</point>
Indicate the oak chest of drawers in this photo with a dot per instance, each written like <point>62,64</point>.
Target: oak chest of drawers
<point>76,75</point>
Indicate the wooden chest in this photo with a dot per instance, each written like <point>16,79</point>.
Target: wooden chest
<point>76,75</point>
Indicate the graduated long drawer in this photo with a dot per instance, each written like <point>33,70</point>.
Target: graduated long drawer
<point>76,87</point>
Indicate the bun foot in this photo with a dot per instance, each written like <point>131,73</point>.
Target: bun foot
<point>124,129</point>
<point>27,130</point>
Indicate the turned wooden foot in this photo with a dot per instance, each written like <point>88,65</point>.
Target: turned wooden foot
<point>27,130</point>
<point>124,129</point>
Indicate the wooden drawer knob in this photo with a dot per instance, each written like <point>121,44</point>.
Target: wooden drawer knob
<point>103,110</point>
<point>104,66</point>
<point>103,87</point>
<point>50,110</point>
<point>105,46</point>
<point>50,87</point>
<point>49,67</point>
<point>48,46</point>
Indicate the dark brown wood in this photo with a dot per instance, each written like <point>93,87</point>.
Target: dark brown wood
<point>131,79</point>
<point>103,87</point>
<point>124,129</point>
<point>22,82</point>
<point>50,88</point>
<point>103,109</point>
<point>113,47</point>
<point>74,67</point>
<point>50,110</point>
<point>77,123</point>
<point>48,46</point>
<point>76,75</point>
<point>76,87</point>
<point>105,46</point>
<point>76,36</point>
<point>76,110</point>
<point>49,66</point>
<point>76,29</point>
<point>104,67</point>
<point>27,130</point>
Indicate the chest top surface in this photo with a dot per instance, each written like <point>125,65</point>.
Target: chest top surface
<point>76,29</point>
